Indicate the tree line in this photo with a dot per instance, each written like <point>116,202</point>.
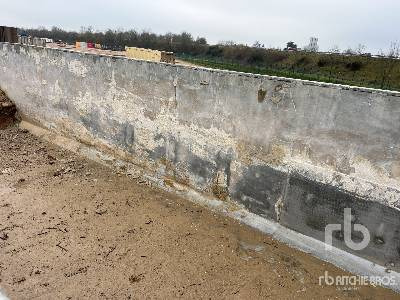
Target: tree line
<point>353,66</point>
<point>118,39</point>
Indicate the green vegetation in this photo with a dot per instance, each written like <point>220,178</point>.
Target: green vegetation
<point>381,73</point>
<point>348,68</point>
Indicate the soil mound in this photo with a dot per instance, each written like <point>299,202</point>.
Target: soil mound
<point>7,111</point>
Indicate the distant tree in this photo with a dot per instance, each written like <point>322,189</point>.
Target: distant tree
<point>349,51</point>
<point>291,45</point>
<point>360,50</point>
<point>200,46</point>
<point>257,44</point>
<point>201,41</point>
<point>394,50</point>
<point>392,56</point>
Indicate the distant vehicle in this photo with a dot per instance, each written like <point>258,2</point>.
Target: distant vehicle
<point>60,43</point>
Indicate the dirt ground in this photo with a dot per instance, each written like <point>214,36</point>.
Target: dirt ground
<point>70,228</point>
<point>7,111</point>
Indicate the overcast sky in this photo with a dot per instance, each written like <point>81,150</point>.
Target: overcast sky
<point>345,23</point>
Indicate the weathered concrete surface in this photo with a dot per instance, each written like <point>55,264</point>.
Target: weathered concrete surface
<point>74,229</point>
<point>292,151</point>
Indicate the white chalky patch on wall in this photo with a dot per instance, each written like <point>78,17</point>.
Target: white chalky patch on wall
<point>77,68</point>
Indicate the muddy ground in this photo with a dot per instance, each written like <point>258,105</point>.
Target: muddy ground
<point>70,228</point>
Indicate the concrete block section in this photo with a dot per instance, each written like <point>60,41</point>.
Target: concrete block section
<point>260,189</point>
<point>310,206</point>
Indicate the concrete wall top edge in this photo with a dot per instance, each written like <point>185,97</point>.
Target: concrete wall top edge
<point>250,75</point>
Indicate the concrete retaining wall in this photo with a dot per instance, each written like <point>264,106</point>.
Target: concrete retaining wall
<point>292,151</point>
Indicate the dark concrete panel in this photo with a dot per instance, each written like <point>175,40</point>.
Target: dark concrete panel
<point>183,163</point>
<point>102,126</point>
<point>259,189</point>
<point>310,206</point>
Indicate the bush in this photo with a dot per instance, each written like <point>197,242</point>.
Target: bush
<point>304,60</point>
<point>255,58</point>
<point>215,51</point>
<point>322,62</point>
<point>354,66</point>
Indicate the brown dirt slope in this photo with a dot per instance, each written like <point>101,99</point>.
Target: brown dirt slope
<point>7,111</point>
<point>72,229</point>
